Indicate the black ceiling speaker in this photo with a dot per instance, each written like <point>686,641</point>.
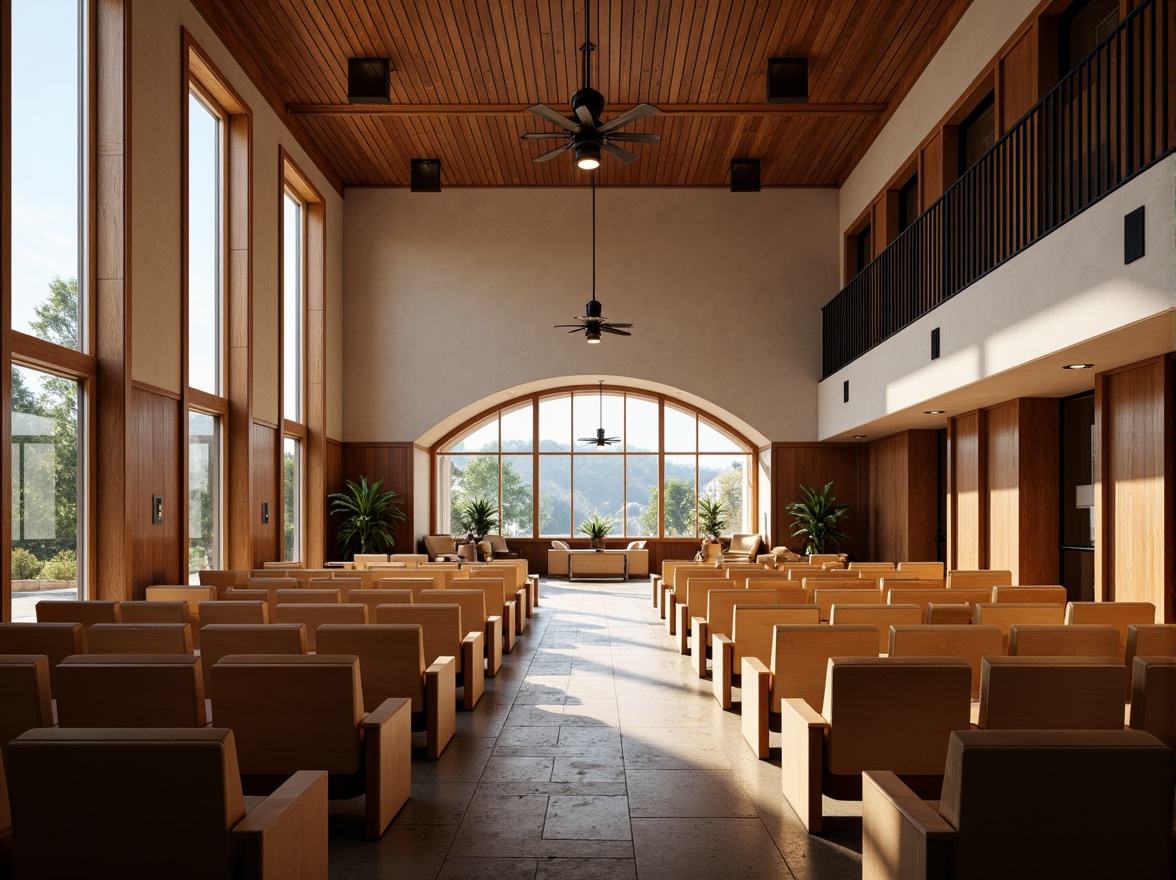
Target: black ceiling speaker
<point>745,175</point>
<point>426,176</point>
<point>787,80</point>
<point>367,80</point>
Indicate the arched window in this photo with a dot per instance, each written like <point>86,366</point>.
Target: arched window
<point>531,460</point>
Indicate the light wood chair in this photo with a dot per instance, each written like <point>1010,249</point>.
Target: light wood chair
<point>1118,614</point>
<point>410,560</point>
<point>880,616</point>
<point>515,581</point>
<point>223,580</point>
<point>978,578</point>
<point>921,597</point>
<point>499,602</point>
<point>1078,640</point>
<point>971,595</point>
<point>1051,693</point>
<point>446,634</point>
<point>801,572</point>
<point>948,615</point>
<point>189,595</point>
<point>694,595</point>
<point>825,599</point>
<point>314,615</point>
<point>891,713</point>
<point>156,611</point>
<point>392,664</point>
<point>752,634</point>
<point>800,654</point>
<point>677,590</point>
<point>139,638</point>
<point>929,570</point>
<point>55,640</point>
<point>271,585</point>
<point>871,566</point>
<point>1004,616</point>
<point>719,619</point>
<point>1083,805</point>
<point>1143,640</point>
<point>1029,595</point>
<point>970,643</point>
<point>362,560</point>
<point>224,639</point>
<point>373,599</point>
<point>158,803</point>
<point>131,690</point>
<point>473,609</point>
<point>85,613</point>
<point>1153,697</point>
<point>309,596</point>
<point>234,612</point>
<point>25,697</point>
<point>290,711</point>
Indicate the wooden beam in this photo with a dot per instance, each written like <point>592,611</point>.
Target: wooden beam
<point>521,109</point>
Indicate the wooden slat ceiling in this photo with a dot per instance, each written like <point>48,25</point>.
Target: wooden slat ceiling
<point>466,69</point>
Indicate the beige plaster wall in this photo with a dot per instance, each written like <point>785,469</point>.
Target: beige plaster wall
<point>451,298</point>
<point>157,95</point>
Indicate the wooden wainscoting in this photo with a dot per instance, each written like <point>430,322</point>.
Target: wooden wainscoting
<point>902,510</point>
<point>265,488</point>
<point>813,465</point>
<point>157,555</point>
<point>392,463</point>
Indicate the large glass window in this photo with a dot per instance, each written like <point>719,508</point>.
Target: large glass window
<point>291,499</point>
<point>293,304</point>
<point>205,246</point>
<point>540,463</point>
<point>204,493</point>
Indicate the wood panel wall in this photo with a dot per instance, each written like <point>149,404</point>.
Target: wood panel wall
<point>1134,517</point>
<point>333,479</point>
<point>392,463</point>
<point>156,549</point>
<point>265,487</point>
<point>813,465</point>
<point>902,508</point>
<point>967,541</point>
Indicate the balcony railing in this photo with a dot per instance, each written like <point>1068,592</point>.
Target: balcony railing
<point>1106,122</point>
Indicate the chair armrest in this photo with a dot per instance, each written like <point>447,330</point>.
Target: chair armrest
<point>493,645</point>
<point>683,628</point>
<point>699,644</point>
<point>902,837</point>
<point>671,612</point>
<point>440,705</point>
<point>473,669</point>
<point>654,587</point>
<point>722,656</point>
<point>286,834</point>
<point>521,614</point>
<point>534,579</point>
<point>508,627</point>
<point>757,689</point>
<point>388,760</point>
<point>802,757</point>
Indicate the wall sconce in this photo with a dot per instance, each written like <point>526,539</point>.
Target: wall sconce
<point>265,513</point>
<point>156,510</point>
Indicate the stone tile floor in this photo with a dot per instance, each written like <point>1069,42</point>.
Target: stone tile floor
<point>597,753</point>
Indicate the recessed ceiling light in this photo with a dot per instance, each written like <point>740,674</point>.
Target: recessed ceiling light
<point>858,437</point>
<point>1077,366</point>
<point>933,412</point>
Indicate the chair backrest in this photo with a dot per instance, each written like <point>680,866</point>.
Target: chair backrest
<point>222,639</point>
<point>375,598</point>
<point>290,711</point>
<point>746,545</point>
<point>245,594</point>
<point>831,583</point>
<point>871,566</point>
<point>804,572</point>
<point>361,560</point>
<point>309,595</point>
<point>415,580</point>
<point>922,597</point>
<point>338,584</point>
<point>684,572</point>
<point>85,613</point>
<point>948,615</point>
<point>1058,693</point>
<point>510,575</point>
<point>1153,696</point>
<point>1143,640</point>
<point>472,602</point>
<point>697,589</point>
<point>971,595</point>
<point>391,659</point>
<point>130,690</point>
<point>378,568</point>
<point>971,643</point>
<point>753,628</point>
<point>825,599</point>
<point>1079,640</point>
<point>1004,616</point>
<point>25,698</point>
<point>766,578</point>
<point>313,615</point>
<point>442,627</point>
<point>410,560</point>
<point>494,588</point>
<point>233,612</point>
<point>224,579</point>
<point>1118,614</point>
<point>439,545</point>
<point>930,570</point>
<point>55,640</point>
<point>271,585</point>
<point>191,596</point>
<point>881,616</point>
<point>1074,804</point>
<point>139,638</point>
<point>1029,595</point>
<point>720,607</point>
<point>800,655</point>
<point>157,803</point>
<point>822,558</point>
<point>978,578</point>
<point>155,611</point>
<point>895,713</point>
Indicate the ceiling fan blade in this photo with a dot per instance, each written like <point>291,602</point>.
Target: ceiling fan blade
<point>616,331</point>
<point>547,157</point>
<point>631,115</point>
<point>577,326</point>
<point>585,116</point>
<point>544,135</point>
<point>635,137</point>
<point>618,324</point>
<point>624,155</point>
<point>553,116</point>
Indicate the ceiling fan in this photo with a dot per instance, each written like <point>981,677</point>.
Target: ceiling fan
<point>593,322</point>
<point>600,441</point>
<point>585,133</point>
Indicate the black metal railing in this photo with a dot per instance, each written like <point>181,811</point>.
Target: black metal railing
<point>1107,121</point>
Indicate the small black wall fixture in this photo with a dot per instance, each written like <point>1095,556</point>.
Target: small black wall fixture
<point>265,513</point>
<point>156,510</point>
<point>935,344</point>
<point>845,391</point>
<point>426,176</point>
<point>787,80</point>
<point>1133,235</point>
<point>745,175</point>
<point>367,80</point>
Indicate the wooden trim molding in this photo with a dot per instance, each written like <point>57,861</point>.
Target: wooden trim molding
<point>156,390</point>
<point>5,312</point>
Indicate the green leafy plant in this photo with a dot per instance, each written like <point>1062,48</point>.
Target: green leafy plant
<point>369,517</point>
<point>712,516</point>
<point>815,518</point>
<point>25,566</point>
<point>62,567</point>
<point>478,516</point>
<point>596,527</point>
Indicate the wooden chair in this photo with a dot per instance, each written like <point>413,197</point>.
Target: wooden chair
<point>362,560</point>
<point>1004,616</point>
<point>871,566</point>
<point>224,639</point>
<point>473,609</point>
<point>678,589</point>
<point>233,612</point>
<point>1029,595</point>
<point>145,804</point>
<point>921,597</point>
<point>373,599</point>
<point>139,638</point>
<point>892,713</point>
<point>1084,805</point>
<point>189,595</point>
<point>289,711</point>
<point>970,643</point>
<point>822,558</point>
<point>25,698</point>
<point>929,570</point>
<point>283,565</point>
<point>223,580</point>
<point>978,578</point>
<point>516,583</point>
<point>414,584</point>
<point>825,599</point>
<point>250,595</point>
<point>271,585</point>
<point>752,634</point>
<point>314,615</point>
<point>1051,693</point>
<point>801,572</point>
<point>131,690</point>
<point>1080,640</point>
<point>1153,697</point>
<point>410,560</point>
<point>970,595</point>
<point>1143,640</point>
<point>880,616</point>
<point>1118,614</point>
<point>156,611</point>
<point>811,585</point>
<point>85,613</point>
<point>800,654</point>
<point>440,548</point>
<point>767,578</point>
<point>948,615</point>
<point>497,602</point>
<point>309,596</point>
<point>719,617</point>
<point>445,634</point>
<point>695,593</point>
<point>392,664</point>
<point>743,548</point>
<point>55,640</point>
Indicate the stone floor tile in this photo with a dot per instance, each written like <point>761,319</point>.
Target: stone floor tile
<point>488,869</point>
<point>587,869</point>
<point>587,818</point>
<point>687,793</point>
<point>702,849</point>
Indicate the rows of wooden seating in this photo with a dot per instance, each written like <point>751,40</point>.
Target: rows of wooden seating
<point>445,634</point>
<point>473,609</point>
<point>131,690</point>
<point>139,638</point>
<point>718,623</point>
<point>314,615</point>
<point>225,639</point>
<point>752,634</point>
<point>55,641</point>
<point>968,642</point>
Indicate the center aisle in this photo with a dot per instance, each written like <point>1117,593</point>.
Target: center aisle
<point>596,753</point>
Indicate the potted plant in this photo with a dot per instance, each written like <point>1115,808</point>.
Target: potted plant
<point>815,518</point>
<point>478,517</point>
<point>712,516</point>
<point>597,528</point>
<point>369,517</point>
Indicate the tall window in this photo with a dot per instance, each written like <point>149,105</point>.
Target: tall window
<point>293,375</point>
<point>530,459</point>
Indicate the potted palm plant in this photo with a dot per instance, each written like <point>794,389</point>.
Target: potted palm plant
<point>712,516</point>
<point>597,528</point>
<point>479,517</point>
<point>369,517</point>
<point>815,518</point>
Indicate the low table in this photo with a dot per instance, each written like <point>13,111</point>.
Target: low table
<point>597,563</point>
